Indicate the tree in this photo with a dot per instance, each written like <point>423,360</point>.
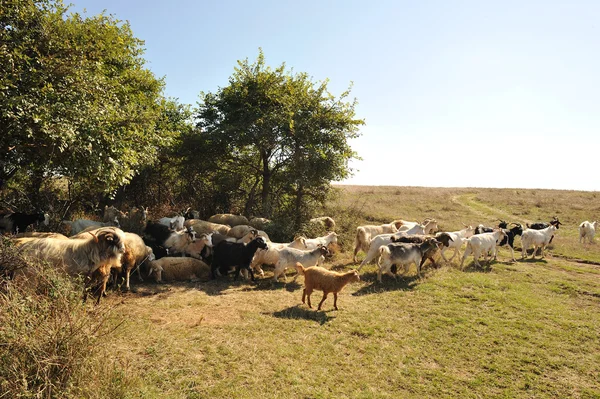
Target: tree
<point>75,97</point>
<point>286,135</point>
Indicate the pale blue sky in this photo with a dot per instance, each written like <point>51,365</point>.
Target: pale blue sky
<point>454,93</point>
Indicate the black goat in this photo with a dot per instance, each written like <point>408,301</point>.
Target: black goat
<point>18,222</point>
<point>235,254</point>
<point>509,239</point>
<point>482,229</point>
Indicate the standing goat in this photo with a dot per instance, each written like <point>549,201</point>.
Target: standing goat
<point>484,243</point>
<point>587,230</point>
<point>318,278</point>
<point>537,239</point>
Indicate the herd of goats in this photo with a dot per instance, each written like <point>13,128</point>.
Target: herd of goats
<point>185,248</point>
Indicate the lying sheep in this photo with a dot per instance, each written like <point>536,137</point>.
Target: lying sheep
<point>202,226</point>
<point>318,278</point>
<point>179,269</point>
<point>228,218</point>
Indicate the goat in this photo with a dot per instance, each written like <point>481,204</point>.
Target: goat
<point>443,238</point>
<point>175,223</point>
<point>318,278</point>
<point>228,218</point>
<point>483,229</point>
<point>136,253</point>
<point>536,239</point>
<point>85,255</point>
<point>313,243</point>
<point>484,243</point>
<point>179,269</point>
<point>364,234</point>
<point>18,222</point>
<point>404,254</point>
<point>270,256</point>
<point>80,225</point>
<point>165,242</point>
<point>197,248</point>
<point>110,213</point>
<point>232,254</point>
<point>456,241</point>
<point>542,225</point>
<point>587,230</point>
<point>509,239</point>
<point>190,213</point>
<point>427,227</point>
<point>288,257</point>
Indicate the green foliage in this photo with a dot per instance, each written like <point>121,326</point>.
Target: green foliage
<point>284,134</point>
<point>74,94</point>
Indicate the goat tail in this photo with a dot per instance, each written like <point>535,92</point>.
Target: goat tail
<point>300,268</point>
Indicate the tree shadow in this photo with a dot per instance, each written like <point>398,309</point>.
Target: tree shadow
<point>270,285</point>
<point>301,312</point>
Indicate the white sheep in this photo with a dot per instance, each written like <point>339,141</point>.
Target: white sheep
<point>587,230</point>
<point>318,278</point>
<point>179,269</point>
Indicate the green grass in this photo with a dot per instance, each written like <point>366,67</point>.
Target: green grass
<point>524,329</point>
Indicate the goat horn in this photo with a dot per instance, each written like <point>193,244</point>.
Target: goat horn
<point>94,235</point>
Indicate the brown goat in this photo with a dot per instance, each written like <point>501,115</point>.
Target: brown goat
<point>318,278</point>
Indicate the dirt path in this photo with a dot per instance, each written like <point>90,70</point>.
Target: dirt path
<point>485,211</point>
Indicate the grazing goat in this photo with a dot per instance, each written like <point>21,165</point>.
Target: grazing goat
<point>403,254</point>
<point>80,225</point>
<point>179,269</point>
<point>318,278</point>
<point>93,252</point>
<point>18,222</point>
<point>288,257</point>
<point>239,255</point>
<point>509,239</point>
<point>228,218</point>
<point>484,243</point>
<point>536,239</point>
<point>175,223</point>
<point>313,243</point>
<point>365,233</point>
<point>270,256</point>
<point>456,242</point>
<point>324,221</point>
<point>587,230</point>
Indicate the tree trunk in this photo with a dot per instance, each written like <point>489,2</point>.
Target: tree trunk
<point>266,186</point>
<point>298,206</point>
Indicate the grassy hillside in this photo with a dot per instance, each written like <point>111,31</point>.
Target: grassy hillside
<point>524,329</point>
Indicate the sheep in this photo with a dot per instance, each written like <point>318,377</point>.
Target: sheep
<point>403,254</point>
<point>313,243</point>
<point>456,242</point>
<point>259,223</point>
<point>79,225</point>
<point>175,223</point>
<point>18,222</point>
<point>324,221</point>
<point>239,231</point>
<point>232,254</point>
<point>228,218</point>
<point>288,257</point>
<point>202,226</point>
<point>536,239</point>
<point>483,243</point>
<point>270,256</point>
<point>85,255</point>
<point>318,278</point>
<point>179,269</point>
<point>364,234</point>
<point>587,230</point>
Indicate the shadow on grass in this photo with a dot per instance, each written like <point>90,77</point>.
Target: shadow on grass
<point>404,283</point>
<point>270,285</point>
<point>302,312</point>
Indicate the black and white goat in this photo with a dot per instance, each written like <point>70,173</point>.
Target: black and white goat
<point>18,222</point>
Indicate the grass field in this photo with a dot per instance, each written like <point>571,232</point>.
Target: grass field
<point>527,329</point>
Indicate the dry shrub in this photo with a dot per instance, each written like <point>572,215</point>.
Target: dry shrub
<point>52,344</point>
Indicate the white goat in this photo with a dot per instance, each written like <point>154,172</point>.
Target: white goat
<point>587,230</point>
<point>428,226</point>
<point>365,233</point>
<point>458,238</point>
<point>536,239</point>
<point>485,244</point>
<point>80,225</point>
<point>270,256</point>
<point>313,243</point>
<point>175,223</point>
<point>288,257</point>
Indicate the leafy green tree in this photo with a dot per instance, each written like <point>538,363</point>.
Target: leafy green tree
<point>284,134</point>
<point>75,97</point>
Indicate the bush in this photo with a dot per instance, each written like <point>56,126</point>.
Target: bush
<point>52,344</point>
